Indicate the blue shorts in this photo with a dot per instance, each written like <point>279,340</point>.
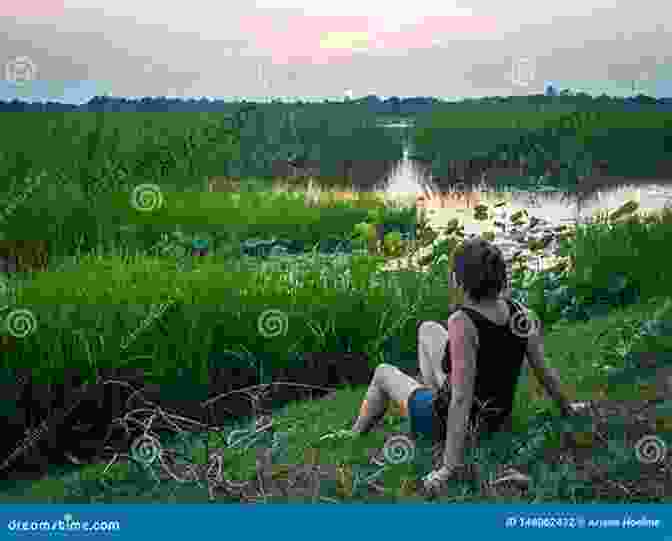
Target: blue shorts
<point>420,413</point>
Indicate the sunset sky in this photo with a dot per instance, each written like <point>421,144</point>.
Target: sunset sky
<point>74,49</point>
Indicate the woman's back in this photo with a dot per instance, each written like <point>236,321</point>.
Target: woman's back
<point>500,351</point>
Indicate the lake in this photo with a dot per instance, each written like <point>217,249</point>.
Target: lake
<point>410,179</point>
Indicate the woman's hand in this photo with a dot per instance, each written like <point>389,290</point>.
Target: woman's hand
<point>433,481</point>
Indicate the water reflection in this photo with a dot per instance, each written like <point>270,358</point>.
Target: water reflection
<point>410,181</point>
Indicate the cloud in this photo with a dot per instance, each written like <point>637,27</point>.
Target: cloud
<point>322,39</point>
<point>32,8</point>
<point>150,48</point>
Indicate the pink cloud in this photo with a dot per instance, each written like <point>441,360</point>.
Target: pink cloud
<point>31,8</point>
<point>423,33</point>
<point>299,39</point>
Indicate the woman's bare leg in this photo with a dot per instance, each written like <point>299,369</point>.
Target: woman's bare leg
<point>432,342</point>
<point>388,383</point>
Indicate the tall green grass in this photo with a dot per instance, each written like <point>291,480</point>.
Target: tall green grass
<point>99,291</point>
<point>583,362</point>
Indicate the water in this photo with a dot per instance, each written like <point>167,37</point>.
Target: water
<point>408,181</point>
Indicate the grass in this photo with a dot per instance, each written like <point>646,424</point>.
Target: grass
<point>583,352</point>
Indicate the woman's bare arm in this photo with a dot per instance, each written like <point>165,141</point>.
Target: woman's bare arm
<point>546,375</point>
<point>462,378</point>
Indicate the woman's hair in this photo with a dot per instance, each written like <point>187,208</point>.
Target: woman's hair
<point>480,269</point>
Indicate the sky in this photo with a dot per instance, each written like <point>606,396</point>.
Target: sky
<point>71,50</point>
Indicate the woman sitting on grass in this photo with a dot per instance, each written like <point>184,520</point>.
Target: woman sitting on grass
<point>483,343</point>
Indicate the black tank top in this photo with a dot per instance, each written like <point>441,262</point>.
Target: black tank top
<point>499,360</point>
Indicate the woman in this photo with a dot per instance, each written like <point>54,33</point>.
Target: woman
<point>484,343</point>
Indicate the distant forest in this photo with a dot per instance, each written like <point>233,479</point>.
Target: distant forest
<point>394,106</point>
